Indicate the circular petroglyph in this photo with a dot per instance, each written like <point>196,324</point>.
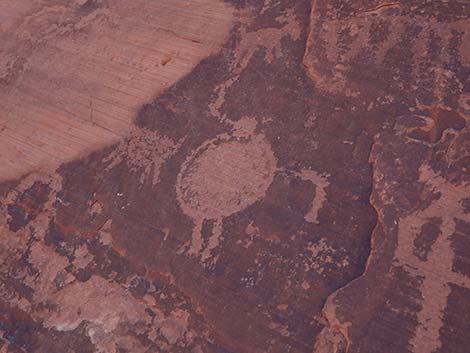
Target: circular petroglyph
<point>226,178</point>
<point>220,178</point>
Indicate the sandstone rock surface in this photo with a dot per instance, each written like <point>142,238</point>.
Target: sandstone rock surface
<point>216,176</point>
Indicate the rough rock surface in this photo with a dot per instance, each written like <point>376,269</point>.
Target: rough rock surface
<point>257,176</point>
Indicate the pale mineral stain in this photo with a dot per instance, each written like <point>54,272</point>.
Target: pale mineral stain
<point>82,258</point>
<point>105,236</point>
<point>175,326</point>
<point>323,255</point>
<point>63,303</point>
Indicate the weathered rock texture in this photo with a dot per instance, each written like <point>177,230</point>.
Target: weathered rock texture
<point>235,177</point>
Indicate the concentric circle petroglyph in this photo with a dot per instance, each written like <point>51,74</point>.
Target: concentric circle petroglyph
<point>220,178</point>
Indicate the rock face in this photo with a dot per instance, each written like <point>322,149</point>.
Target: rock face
<point>256,176</point>
<point>74,73</point>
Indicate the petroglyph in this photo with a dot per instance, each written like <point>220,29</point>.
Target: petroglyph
<point>335,44</point>
<point>267,38</point>
<point>73,75</point>
<point>223,176</point>
<point>436,271</point>
<point>204,231</point>
<point>321,182</point>
<point>144,152</point>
